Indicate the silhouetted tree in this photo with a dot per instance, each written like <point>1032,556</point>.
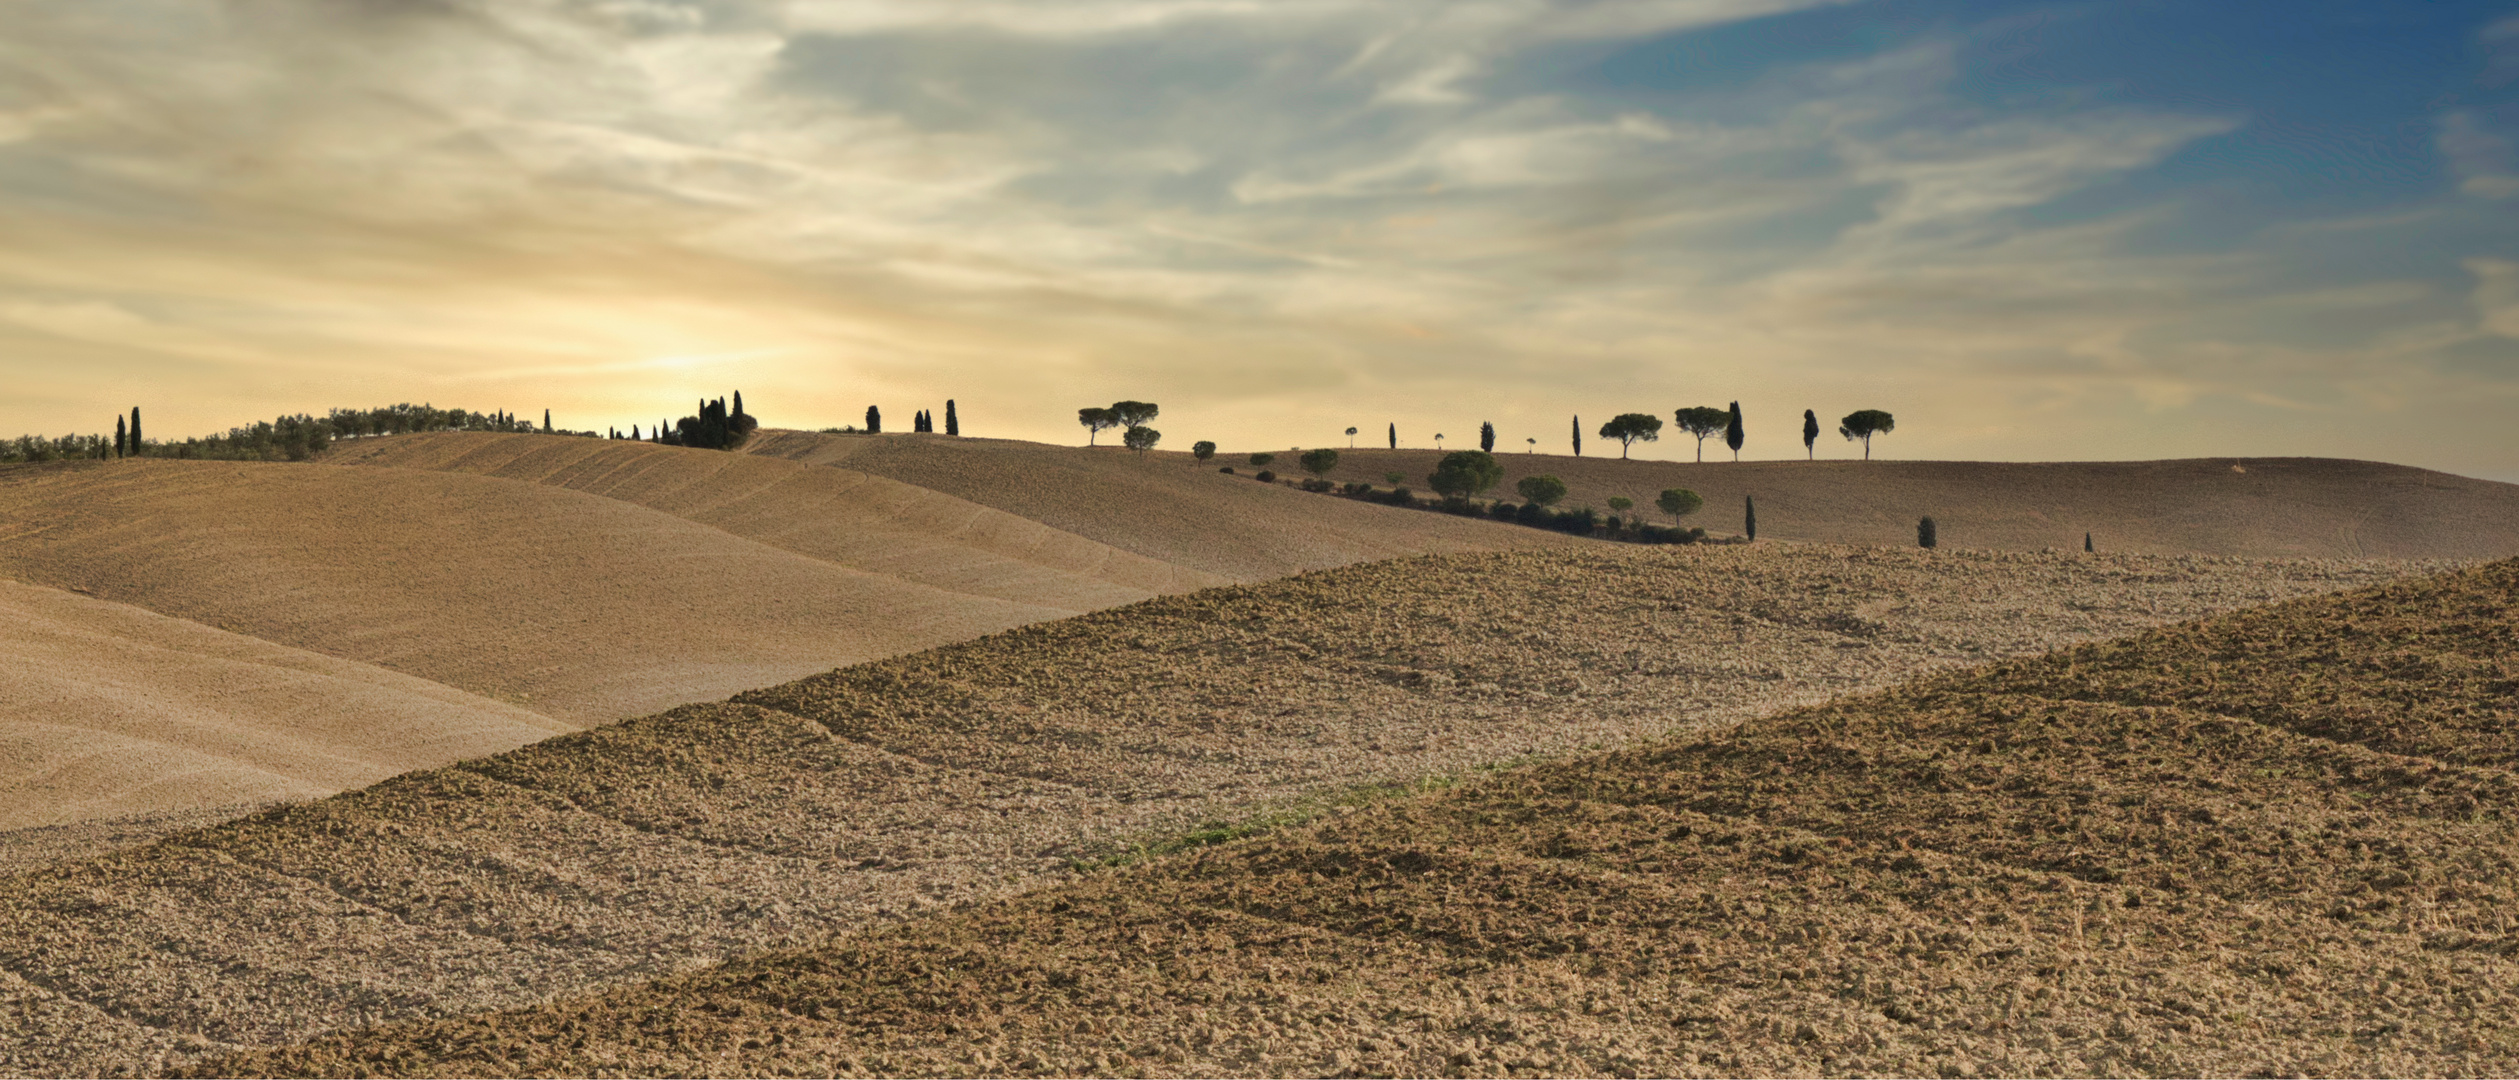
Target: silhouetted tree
<point>1925,534</point>
<point>1095,419</point>
<point>1319,462</point>
<point>874,420</point>
<point>1540,490</point>
<point>1865,424</point>
<point>1679,502</point>
<point>1141,439</point>
<point>1394,435</point>
<point>118,435</point>
<point>136,444</point>
<point>546,421</point>
<point>953,423</point>
<point>1202,450</point>
<point>2086,548</point>
<point>1733,435</point>
<point>1810,435</point>
<point>1578,436</point>
<point>1262,459</point>
<point>1463,473</point>
<point>1134,413</point>
<point>1487,436</point>
<point>1351,438</point>
<point>1749,516</point>
<point>1630,429</point>
<point>1532,446</point>
<point>1703,421</point>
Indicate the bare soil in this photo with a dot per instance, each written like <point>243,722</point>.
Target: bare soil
<point>899,788</point>
<point>2276,843</point>
<point>109,711</point>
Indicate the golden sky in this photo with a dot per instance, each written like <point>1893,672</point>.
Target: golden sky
<point>2027,230</point>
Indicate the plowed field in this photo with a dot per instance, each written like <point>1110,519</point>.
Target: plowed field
<point>2276,843</point>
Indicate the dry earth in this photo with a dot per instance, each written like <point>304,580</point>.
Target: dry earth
<point>110,711</point>
<point>2279,843</point>
<point>900,787</point>
<point>2259,507</point>
<point>584,580</point>
<point>1162,506</point>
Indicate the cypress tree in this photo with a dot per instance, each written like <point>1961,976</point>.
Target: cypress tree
<point>1733,436</point>
<point>1578,436</point>
<point>1486,437</point>
<point>1749,515</point>
<point>953,424</point>
<point>1925,535</point>
<point>546,421</point>
<point>739,403</point>
<point>1395,435</point>
<point>135,431</point>
<point>2086,544</point>
<point>118,435</point>
<point>874,420</point>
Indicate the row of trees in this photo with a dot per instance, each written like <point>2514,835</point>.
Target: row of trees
<point>1702,421</point>
<point>287,438</point>
<point>717,426</point>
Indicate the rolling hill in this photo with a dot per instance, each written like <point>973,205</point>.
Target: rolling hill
<point>2259,507</point>
<point>901,787</point>
<point>2282,842</point>
<point>558,582</point>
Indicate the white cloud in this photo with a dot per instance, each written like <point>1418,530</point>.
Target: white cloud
<point>2496,295</point>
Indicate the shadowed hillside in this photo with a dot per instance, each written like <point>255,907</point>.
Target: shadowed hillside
<point>1163,506</point>
<point>2278,843</point>
<point>108,711</point>
<point>896,788</point>
<point>2262,507</point>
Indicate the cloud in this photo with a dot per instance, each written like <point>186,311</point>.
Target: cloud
<point>2484,161</point>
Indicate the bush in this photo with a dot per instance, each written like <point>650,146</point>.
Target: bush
<point>1320,462</point>
<point>1502,511</point>
<point>1463,473</point>
<point>1392,478</point>
<point>1621,503</point>
<point>1316,484</point>
<point>1579,522</point>
<point>1266,477</point>
<point>1925,534</point>
<point>1401,497</point>
<point>1358,489</point>
<point>1202,449</point>
<point>1531,514</point>
<point>1544,490</point>
<point>1227,470</point>
<point>1258,460</point>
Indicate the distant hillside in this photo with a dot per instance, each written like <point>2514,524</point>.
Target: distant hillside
<point>1163,506</point>
<point>2284,842</point>
<point>2258,507</point>
<point>896,788</point>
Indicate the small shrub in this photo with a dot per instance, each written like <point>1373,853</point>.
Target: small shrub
<point>1319,462</point>
<point>1579,522</point>
<point>1616,524</point>
<point>1392,478</point>
<point>1227,470</point>
<point>1621,503</point>
<point>1317,485</point>
<point>1502,510</point>
<point>1401,497</point>
<point>1358,489</point>
<point>1544,490</point>
<point>1266,477</point>
<point>1925,534</point>
<point>1259,460</point>
<point>1531,514</point>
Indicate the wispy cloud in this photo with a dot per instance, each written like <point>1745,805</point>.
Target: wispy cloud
<point>1268,213</point>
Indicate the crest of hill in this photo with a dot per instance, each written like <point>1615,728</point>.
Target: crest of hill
<point>2257,507</point>
<point>860,797</point>
<point>110,711</point>
<point>841,516</point>
<point>2280,842</point>
<point>1165,506</point>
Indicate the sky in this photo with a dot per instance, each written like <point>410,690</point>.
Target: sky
<point>2031,231</point>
